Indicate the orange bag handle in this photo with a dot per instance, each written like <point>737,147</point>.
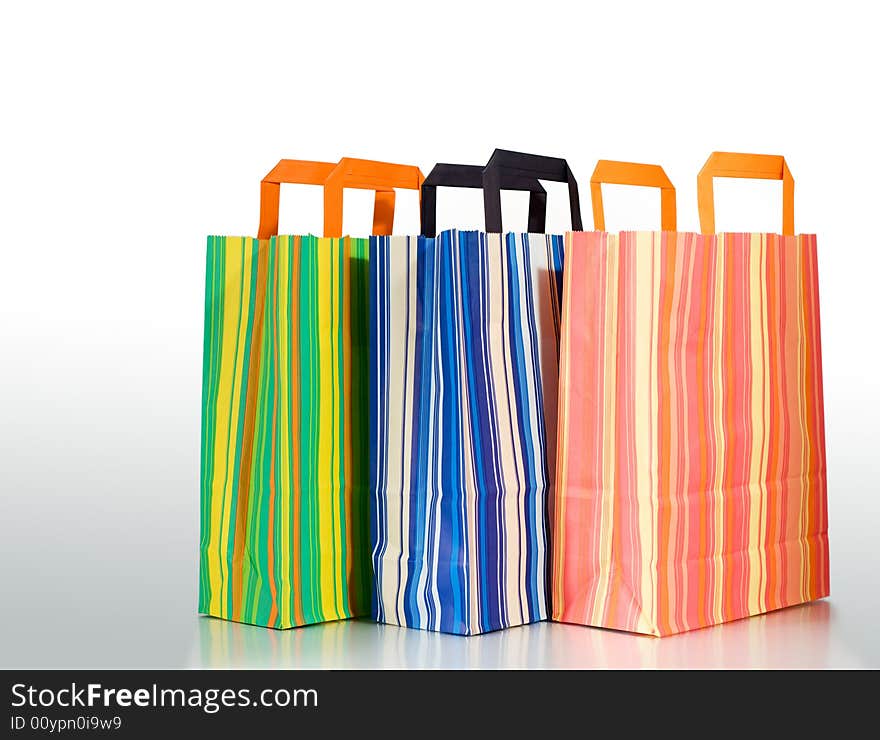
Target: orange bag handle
<point>756,166</point>
<point>304,172</point>
<point>367,174</point>
<point>630,173</point>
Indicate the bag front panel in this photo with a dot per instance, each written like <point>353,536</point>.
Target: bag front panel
<point>692,466</point>
<point>463,386</point>
<point>284,530</point>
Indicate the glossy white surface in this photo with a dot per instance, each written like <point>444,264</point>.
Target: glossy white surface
<point>801,637</point>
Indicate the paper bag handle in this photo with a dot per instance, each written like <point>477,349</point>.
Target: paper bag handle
<point>304,172</point>
<point>507,163</point>
<point>630,173</point>
<point>753,166</point>
<point>471,176</point>
<point>367,174</point>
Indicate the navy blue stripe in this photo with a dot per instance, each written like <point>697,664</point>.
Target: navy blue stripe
<point>451,372</point>
<point>521,420</point>
<point>453,552</point>
<point>437,423</point>
<point>378,411</point>
<point>420,453</point>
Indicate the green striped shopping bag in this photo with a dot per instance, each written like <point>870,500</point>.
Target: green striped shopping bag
<point>284,440</point>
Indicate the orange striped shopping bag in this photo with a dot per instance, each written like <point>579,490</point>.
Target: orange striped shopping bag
<point>691,457</point>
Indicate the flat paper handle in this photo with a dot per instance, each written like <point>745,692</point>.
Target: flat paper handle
<point>366,174</point>
<point>471,176</point>
<point>752,166</point>
<point>303,172</point>
<point>506,163</point>
<point>630,173</point>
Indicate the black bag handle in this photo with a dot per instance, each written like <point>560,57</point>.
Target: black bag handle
<point>505,163</point>
<point>471,176</point>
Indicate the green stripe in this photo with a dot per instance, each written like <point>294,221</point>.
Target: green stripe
<point>337,507</point>
<point>208,424</point>
<point>307,303</point>
<point>359,432</point>
<point>293,436</point>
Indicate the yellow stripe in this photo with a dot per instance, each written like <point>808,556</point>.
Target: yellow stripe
<point>342,252</point>
<point>645,398</point>
<point>649,565</point>
<point>324,309</point>
<point>346,567</point>
<point>759,423</point>
<point>282,380</point>
<point>804,489</point>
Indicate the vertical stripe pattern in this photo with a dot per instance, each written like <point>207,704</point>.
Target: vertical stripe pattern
<point>463,374</point>
<point>284,538</point>
<point>691,485</point>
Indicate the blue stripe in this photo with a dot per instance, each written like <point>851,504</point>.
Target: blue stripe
<point>378,412</point>
<point>521,394</point>
<point>451,582</point>
<point>448,371</point>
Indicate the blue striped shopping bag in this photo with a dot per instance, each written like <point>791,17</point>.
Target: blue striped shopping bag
<point>464,332</point>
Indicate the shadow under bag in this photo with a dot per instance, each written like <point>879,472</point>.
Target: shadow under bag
<point>463,373</point>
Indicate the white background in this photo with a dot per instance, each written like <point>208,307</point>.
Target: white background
<point>130,131</point>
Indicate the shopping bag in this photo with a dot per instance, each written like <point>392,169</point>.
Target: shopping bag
<point>463,374</point>
<point>284,529</point>
<point>691,483</point>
